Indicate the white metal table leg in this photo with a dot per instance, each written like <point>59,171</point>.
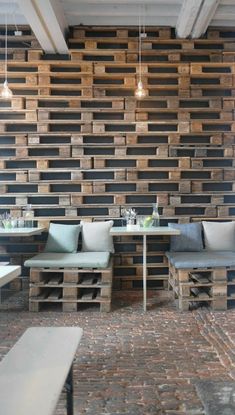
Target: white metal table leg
<point>144,273</point>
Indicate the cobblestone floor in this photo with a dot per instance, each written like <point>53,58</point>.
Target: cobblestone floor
<point>136,363</point>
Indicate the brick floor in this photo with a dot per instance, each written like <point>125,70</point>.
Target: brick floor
<point>136,363</point>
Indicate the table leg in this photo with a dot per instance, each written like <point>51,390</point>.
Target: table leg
<point>69,391</point>
<point>144,273</point>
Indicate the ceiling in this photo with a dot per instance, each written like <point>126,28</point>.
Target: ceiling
<point>50,19</point>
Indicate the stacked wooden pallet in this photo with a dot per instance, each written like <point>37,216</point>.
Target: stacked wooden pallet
<point>198,286</point>
<point>68,288</point>
<point>76,144</point>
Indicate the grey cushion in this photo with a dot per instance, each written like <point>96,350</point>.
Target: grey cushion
<point>78,260</point>
<point>201,259</point>
<point>62,238</point>
<point>190,238</point>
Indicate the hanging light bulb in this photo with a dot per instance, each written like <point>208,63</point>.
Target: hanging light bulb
<point>140,92</point>
<point>6,92</point>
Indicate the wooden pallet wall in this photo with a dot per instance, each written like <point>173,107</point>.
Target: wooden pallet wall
<point>75,143</point>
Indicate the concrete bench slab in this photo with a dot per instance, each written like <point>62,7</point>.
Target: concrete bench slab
<point>217,397</point>
<point>35,370</point>
<point>8,273</point>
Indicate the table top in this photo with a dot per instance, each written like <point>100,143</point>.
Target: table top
<point>137,230</point>
<point>21,231</point>
<point>35,369</point>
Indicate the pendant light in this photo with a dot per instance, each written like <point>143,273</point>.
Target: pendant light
<point>140,92</point>
<point>6,92</point>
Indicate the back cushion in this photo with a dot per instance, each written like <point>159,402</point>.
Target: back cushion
<point>190,238</point>
<point>96,236</point>
<point>219,236</point>
<point>62,238</point>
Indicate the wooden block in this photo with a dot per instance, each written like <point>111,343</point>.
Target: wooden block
<point>87,188</point>
<point>34,306</point>
<point>211,211</point>
<point>69,292</point>
<point>182,275</point>
<point>141,127</point>
<point>219,290</point>
<point>105,306</point>
<point>69,306</point>
<point>36,275</point>
<point>43,188</point>
<point>184,82</point>
<point>17,103</point>
<point>219,304</point>
<point>183,127</point>
<point>185,187</point>
<point>31,79</point>
<point>219,274</point>
<point>183,305</point>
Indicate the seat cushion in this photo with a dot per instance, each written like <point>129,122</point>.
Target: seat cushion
<point>77,260</point>
<point>201,259</point>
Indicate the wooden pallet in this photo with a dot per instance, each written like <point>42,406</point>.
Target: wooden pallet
<point>71,286</point>
<point>76,144</point>
<point>202,285</point>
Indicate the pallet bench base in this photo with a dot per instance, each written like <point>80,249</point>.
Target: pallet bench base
<point>194,286</point>
<point>69,288</point>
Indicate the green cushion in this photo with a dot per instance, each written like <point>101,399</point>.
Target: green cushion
<point>62,238</point>
<point>78,260</point>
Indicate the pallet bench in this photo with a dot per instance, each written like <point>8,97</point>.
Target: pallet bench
<point>34,372</point>
<point>7,274</point>
<point>70,280</point>
<point>202,277</point>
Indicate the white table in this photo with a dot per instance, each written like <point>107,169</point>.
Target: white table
<point>21,231</point>
<point>137,230</point>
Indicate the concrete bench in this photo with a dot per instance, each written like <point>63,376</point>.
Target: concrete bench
<point>69,279</point>
<point>7,274</point>
<point>33,373</point>
<point>202,277</point>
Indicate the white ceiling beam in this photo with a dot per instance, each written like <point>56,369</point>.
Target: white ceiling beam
<point>187,17</point>
<point>36,23</point>
<point>47,22</point>
<point>54,20</point>
<point>204,18</point>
